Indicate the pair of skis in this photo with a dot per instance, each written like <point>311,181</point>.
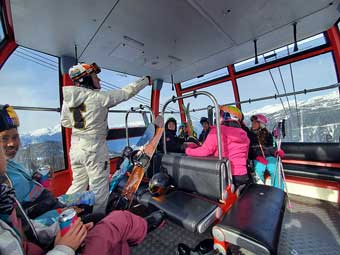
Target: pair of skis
<point>138,162</point>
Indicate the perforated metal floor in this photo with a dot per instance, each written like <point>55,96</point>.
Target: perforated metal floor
<point>312,227</point>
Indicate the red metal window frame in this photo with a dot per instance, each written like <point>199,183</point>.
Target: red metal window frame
<point>9,45</point>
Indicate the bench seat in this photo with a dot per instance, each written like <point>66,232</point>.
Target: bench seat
<point>254,222</point>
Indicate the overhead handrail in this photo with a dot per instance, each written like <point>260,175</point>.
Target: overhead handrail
<point>139,109</point>
<point>218,125</point>
<point>250,100</point>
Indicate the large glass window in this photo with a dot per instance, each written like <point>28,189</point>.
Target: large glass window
<point>223,93</point>
<point>312,117</point>
<point>31,79</point>
<point>111,80</point>
<point>206,77</point>
<point>282,52</point>
<point>2,28</point>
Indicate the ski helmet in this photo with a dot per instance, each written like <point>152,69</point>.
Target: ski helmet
<point>229,112</point>
<point>81,73</point>
<point>8,118</point>
<point>159,184</point>
<point>260,118</point>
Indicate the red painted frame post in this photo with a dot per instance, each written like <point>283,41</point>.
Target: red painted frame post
<point>334,40</point>
<point>9,45</point>
<point>234,83</point>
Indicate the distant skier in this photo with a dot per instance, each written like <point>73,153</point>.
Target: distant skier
<point>85,110</point>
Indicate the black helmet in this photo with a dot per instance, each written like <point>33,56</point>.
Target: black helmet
<point>204,119</point>
<point>159,184</point>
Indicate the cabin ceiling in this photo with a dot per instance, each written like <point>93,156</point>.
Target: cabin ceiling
<point>184,37</point>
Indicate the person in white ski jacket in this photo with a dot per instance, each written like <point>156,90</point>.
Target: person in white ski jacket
<point>85,110</point>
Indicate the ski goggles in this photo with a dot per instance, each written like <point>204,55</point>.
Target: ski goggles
<point>8,118</point>
<point>253,118</point>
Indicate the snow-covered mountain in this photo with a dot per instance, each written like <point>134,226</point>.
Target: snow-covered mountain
<point>41,135</point>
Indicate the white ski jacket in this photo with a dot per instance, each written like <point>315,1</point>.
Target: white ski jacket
<point>94,106</point>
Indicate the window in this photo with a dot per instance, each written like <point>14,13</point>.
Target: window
<point>31,79</point>
<point>223,93</point>
<point>111,80</point>
<point>134,120</point>
<point>2,27</point>
<point>312,117</point>
<point>282,52</point>
<point>206,77</point>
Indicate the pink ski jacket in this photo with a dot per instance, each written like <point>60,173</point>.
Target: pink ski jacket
<point>235,146</point>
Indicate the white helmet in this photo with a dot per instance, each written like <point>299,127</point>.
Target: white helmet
<point>79,71</point>
<point>81,74</point>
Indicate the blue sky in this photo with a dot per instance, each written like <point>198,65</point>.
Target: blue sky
<point>27,83</point>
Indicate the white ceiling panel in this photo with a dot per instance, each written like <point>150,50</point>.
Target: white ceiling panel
<point>138,36</point>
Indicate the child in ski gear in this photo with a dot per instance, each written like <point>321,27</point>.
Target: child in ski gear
<point>263,150</point>
<point>173,142</point>
<point>206,128</point>
<point>235,144</point>
<point>184,133</point>
<point>85,110</point>
<point>36,199</point>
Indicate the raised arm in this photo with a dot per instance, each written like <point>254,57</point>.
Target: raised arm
<point>116,96</point>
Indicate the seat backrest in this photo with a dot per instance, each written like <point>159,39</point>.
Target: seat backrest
<point>206,176</point>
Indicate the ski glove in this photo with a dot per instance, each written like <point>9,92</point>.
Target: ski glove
<point>7,199</point>
<point>279,153</point>
<point>262,160</point>
<point>191,145</point>
<point>127,152</point>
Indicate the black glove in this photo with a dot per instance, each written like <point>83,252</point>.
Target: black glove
<point>7,199</point>
<point>192,139</point>
<point>127,151</point>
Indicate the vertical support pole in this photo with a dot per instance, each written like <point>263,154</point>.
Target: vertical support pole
<point>334,40</point>
<point>235,87</point>
<point>65,63</point>
<point>180,101</point>
<point>155,96</point>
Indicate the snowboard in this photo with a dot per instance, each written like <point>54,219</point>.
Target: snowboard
<point>127,165</point>
<point>141,164</point>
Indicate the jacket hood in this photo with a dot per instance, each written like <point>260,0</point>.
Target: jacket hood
<point>75,96</point>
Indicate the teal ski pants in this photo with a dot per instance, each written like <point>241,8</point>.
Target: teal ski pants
<point>275,176</point>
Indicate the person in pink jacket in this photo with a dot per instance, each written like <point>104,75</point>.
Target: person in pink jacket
<point>235,144</point>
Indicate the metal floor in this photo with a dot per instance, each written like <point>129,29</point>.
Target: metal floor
<point>312,227</point>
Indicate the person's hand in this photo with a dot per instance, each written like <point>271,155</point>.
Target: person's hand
<point>279,153</point>
<point>89,225</point>
<point>36,176</point>
<point>262,160</point>
<point>74,236</point>
<point>191,145</point>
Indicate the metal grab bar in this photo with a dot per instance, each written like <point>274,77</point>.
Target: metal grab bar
<point>218,124</point>
<point>138,109</point>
